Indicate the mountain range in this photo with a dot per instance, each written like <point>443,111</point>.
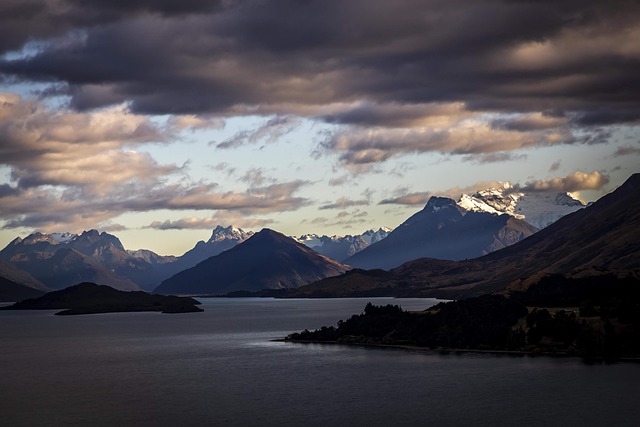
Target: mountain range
<point>267,260</point>
<point>342,247</point>
<point>602,237</point>
<point>58,260</point>
<point>443,230</point>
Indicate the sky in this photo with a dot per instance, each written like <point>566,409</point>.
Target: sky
<point>158,120</point>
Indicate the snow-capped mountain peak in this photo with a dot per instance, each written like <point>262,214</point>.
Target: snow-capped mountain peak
<point>437,203</point>
<point>63,237</point>
<point>373,236</point>
<point>229,233</point>
<point>537,208</point>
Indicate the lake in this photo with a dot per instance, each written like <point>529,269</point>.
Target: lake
<point>220,367</point>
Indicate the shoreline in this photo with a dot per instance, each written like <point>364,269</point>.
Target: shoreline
<point>418,349</point>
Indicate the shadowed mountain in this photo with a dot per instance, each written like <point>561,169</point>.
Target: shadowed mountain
<point>90,256</point>
<point>443,230</point>
<point>16,285</point>
<point>222,239</point>
<point>267,260</point>
<point>605,235</point>
<point>87,298</point>
<point>67,267</point>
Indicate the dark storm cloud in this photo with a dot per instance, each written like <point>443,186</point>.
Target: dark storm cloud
<point>22,21</point>
<point>170,57</point>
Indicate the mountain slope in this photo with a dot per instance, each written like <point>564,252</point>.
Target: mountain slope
<point>605,235</point>
<point>267,260</point>
<point>68,267</point>
<point>442,230</point>
<point>16,285</point>
<point>222,239</point>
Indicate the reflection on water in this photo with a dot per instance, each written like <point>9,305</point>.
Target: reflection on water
<point>220,367</point>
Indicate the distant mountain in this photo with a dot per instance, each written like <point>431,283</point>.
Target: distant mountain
<point>68,267</point>
<point>109,258</point>
<point>16,285</point>
<point>604,236</point>
<point>222,238</point>
<point>90,256</point>
<point>342,247</point>
<point>539,209</point>
<point>442,230</point>
<point>267,260</point>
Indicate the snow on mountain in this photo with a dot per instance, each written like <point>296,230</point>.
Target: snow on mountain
<point>342,247</point>
<point>373,236</point>
<point>537,208</point>
<point>229,233</point>
<point>63,237</point>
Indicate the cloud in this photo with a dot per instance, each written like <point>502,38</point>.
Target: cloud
<point>51,210</point>
<point>395,64</point>
<point>341,180</point>
<point>195,223</point>
<point>576,181</point>
<point>357,146</point>
<point>529,122</point>
<point>412,199</point>
<point>555,166</point>
<point>271,131</point>
<point>626,151</point>
<point>494,157</point>
<point>194,122</point>
<point>343,203</point>
<point>76,170</point>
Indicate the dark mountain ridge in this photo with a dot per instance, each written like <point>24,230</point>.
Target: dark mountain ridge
<point>267,260</point>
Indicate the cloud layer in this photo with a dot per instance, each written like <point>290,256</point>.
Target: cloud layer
<point>374,81</point>
<point>71,169</point>
<point>226,56</point>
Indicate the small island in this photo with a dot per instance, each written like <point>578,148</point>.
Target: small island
<point>90,298</point>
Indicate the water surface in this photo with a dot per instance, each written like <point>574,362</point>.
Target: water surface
<point>220,367</point>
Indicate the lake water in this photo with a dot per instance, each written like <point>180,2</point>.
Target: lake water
<point>220,367</point>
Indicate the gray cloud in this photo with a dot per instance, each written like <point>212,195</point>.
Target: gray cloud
<point>626,151</point>
<point>271,131</point>
<point>389,58</point>
<point>412,199</point>
<point>343,203</point>
<point>494,157</point>
<point>576,181</point>
<point>194,223</point>
<point>555,166</point>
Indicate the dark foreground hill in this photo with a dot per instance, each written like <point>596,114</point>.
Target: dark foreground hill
<point>87,298</point>
<point>267,260</point>
<point>605,235</point>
